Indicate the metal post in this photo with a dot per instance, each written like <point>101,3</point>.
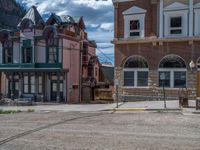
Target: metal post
<point>165,106</point>
<point>12,86</point>
<point>117,100</point>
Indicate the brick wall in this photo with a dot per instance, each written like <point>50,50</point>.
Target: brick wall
<point>150,19</point>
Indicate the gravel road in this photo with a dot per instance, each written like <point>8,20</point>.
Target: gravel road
<point>99,131</point>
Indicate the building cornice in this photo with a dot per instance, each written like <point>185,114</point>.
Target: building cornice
<point>118,1</point>
<point>154,41</point>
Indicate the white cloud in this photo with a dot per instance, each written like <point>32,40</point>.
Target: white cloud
<point>98,17</point>
<point>107,26</point>
<point>96,4</point>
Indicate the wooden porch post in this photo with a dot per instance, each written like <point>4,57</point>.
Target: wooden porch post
<point>58,87</point>
<point>12,86</point>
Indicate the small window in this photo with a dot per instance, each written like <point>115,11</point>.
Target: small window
<point>134,28</point>
<point>128,78</point>
<point>134,25</point>
<point>85,48</point>
<point>142,79</point>
<point>27,55</point>
<point>164,79</point>
<point>176,25</point>
<point>179,79</point>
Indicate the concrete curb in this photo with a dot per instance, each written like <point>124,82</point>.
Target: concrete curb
<point>141,109</point>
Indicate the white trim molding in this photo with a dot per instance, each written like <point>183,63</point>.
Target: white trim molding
<point>176,6</point>
<point>134,13</point>
<point>184,18</point>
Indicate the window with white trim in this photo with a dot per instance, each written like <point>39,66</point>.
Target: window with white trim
<point>172,72</point>
<point>136,72</point>
<point>176,25</point>
<point>134,28</point>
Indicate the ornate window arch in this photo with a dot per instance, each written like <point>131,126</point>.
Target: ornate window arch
<point>26,25</point>
<point>7,47</point>
<point>52,44</point>
<point>172,72</point>
<point>136,72</point>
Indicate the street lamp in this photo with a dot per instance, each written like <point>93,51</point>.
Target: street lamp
<point>192,65</point>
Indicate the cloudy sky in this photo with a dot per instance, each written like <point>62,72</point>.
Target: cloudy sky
<point>98,17</point>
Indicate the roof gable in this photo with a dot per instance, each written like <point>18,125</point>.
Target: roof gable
<point>33,15</point>
<point>134,10</point>
<point>175,6</point>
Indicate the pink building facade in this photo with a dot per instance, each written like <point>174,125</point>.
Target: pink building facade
<point>46,61</point>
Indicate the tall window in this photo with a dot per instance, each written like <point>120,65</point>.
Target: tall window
<point>27,52</point>
<point>176,25</point>
<point>52,48</point>
<point>27,55</point>
<point>172,72</point>
<point>7,52</point>
<point>29,84</point>
<point>136,72</point>
<point>134,28</point>
<point>40,84</point>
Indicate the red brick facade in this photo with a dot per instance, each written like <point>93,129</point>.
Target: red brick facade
<point>153,49</point>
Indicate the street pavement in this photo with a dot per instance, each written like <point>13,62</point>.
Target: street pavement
<point>99,131</point>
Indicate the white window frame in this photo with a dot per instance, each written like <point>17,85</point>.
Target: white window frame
<point>127,19</point>
<point>176,28</point>
<point>196,21</point>
<point>167,22</point>
<point>136,70</point>
<point>135,31</point>
<point>172,70</point>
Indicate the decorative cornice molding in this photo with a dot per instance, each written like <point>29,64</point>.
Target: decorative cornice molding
<point>134,10</point>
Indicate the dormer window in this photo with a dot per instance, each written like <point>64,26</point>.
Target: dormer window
<point>176,25</point>
<point>134,28</point>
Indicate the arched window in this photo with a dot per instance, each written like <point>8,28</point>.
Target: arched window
<point>52,43</point>
<point>26,25</point>
<point>136,72</point>
<point>7,47</point>
<point>172,72</point>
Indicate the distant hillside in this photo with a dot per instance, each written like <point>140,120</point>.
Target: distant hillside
<point>10,14</point>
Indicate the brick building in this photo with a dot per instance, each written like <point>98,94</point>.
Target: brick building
<point>157,43</point>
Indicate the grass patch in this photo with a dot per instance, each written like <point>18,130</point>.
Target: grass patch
<point>30,110</point>
<point>161,110</point>
<point>9,111</point>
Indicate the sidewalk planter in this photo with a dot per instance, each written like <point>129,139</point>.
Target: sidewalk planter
<point>198,103</point>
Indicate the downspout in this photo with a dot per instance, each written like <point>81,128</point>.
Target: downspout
<point>80,73</point>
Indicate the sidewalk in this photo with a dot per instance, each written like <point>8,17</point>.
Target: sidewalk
<point>172,105</point>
